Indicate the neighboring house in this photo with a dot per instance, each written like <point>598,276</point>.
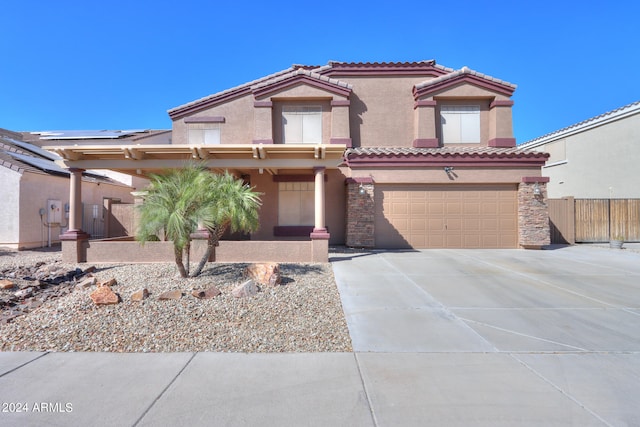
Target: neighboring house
<point>596,159</point>
<point>35,195</point>
<point>381,155</point>
<point>594,185</point>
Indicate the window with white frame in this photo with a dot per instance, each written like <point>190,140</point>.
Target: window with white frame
<point>204,133</point>
<point>296,203</point>
<point>460,124</point>
<point>302,124</point>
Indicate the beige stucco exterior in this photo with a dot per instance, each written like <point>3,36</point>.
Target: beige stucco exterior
<point>387,116</point>
<point>597,158</point>
<point>25,194</point>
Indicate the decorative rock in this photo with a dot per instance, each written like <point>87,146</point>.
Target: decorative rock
<point>212,292</point>
<point>24,293</point>
<point>247,289</point>
<point>177,294</point>
<point>6,284</point>
<point>109,283</point>
<point>104,296</point>
<point>88,282</point>
<point>89,269</point>
<point>140,295</point>
<point>265,273</point>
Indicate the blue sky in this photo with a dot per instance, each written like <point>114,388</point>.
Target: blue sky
<point>123,64</point>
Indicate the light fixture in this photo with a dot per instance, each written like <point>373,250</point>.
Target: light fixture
<point>536,189</point>
<point>448,169</point>
<point>361,189</point>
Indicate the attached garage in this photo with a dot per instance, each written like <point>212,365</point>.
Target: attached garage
<point>446,216</point>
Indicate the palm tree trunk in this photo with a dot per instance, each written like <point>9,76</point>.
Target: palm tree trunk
<point>211,243</point>
<point>177,252</point>
<point>215,234</point>
<point>187,253</point>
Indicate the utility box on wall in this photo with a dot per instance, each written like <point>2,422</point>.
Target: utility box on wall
<point>54,211</point>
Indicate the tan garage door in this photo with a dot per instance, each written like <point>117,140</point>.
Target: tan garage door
<point>419,216</point>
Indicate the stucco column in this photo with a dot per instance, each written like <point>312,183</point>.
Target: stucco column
<point>424,126</point>
<point>74,239</point>
<point>319,228</point>
<point>501,127</point>
<point>340,133</point>
<point>263,126</point>
<point>75,207</point>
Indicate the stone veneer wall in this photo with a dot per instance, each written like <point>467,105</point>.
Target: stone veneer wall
<point>360,215</point>
<point>533,216</point>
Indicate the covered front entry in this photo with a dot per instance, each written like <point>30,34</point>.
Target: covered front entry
<point>446,216</point>
<point>280,162</point>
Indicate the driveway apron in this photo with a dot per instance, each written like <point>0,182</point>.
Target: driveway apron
<point>496,337</point>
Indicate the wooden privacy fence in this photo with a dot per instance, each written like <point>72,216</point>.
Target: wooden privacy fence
<point>594,220</point>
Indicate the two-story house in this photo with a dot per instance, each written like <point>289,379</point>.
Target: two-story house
<point>381,155</point>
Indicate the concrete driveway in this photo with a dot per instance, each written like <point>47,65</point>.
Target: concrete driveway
<point>496,337</point>
<point>441,337</point>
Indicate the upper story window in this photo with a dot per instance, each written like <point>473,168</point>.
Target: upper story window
<point>460,124</point>
<point>204,133</point>
<point>302,124</point>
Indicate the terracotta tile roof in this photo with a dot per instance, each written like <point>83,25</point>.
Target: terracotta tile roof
<point>299,72</point>
<point>243,88</point>
<point>462,71</point>
<point>309,70</point>
<point>467,151</point>
<point>629,109</point>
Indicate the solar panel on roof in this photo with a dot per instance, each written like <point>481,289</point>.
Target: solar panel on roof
<point>33,148</point>
<point>87,134</point>
<point>45,165</point>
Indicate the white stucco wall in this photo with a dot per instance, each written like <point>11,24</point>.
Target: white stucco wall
<point>599,162</point>
<point>9,207</point>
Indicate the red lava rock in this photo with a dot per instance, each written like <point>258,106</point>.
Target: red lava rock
<point>104,296</point>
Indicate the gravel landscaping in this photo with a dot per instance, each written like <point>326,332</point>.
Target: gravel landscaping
<point>303,314</point>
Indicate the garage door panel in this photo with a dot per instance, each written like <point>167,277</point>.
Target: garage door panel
<point>446,216</point>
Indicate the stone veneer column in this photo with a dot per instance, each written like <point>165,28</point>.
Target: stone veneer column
<point>533,213</point>
<point>360,231</point>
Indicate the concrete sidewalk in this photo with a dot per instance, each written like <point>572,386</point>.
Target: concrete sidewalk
<point>446,338</point>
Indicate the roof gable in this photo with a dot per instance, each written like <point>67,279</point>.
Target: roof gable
<point>465,75</point>
<point>298,77</point>
<point>220,97</point>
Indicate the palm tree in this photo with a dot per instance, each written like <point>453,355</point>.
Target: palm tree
<point>181,200</point>
<point>174,205</point>
<point>230,204</point>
